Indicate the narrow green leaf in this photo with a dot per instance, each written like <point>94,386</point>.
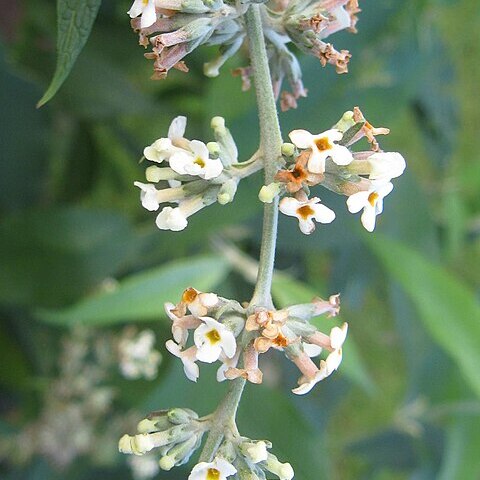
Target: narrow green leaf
<point>141,296</point>
<point>461,451</point>
<point>446,306</point>
<point>289,291</point>
<point>75,21</point>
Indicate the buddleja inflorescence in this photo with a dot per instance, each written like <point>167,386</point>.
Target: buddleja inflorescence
<point>186,176</point>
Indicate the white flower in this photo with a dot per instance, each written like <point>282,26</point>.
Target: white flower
<point>219,469</point>
<point>307,211</point>
<point>187,357</point>
<point>308,385</point>
<point>386,165</point>
<point>227,363</point>
<point>211,339</point>
<point>255,451</point>
<point>322,146</point>
<point>338,336</point>
<point>198,163</point>
<point>180,325</point>
<point>333,361</point>
<point>171,219</point>
<point>145,8</point>
<point>148,196</point>
<point>164,148</point>
<point>371,201</point>
<point>198,302</point>
<point>137,355</point>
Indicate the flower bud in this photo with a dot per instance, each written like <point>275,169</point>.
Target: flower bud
<point>254,451</point>
<point>228,148</point>
<point>227,192</point>
<point>288,149</point>
<point>234,321</point>
<point>345,122</point>
<point>269,192</point>
<point>284,471</point>
<point>149,426</point>
<point>179,454</point>
<point>213,149</point>
<point>181,415</point>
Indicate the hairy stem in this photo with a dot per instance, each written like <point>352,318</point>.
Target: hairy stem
<point>270,145</point>
<point>222,417</point>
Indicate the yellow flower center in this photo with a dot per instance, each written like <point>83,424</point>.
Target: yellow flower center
<point>213,474</point>
<point>323,144</point>
<point>372,198</point>
<point>200,162</point>
<point>145,2</point>
<point>189,295</point>
<point>305,212</point>
<point>214,337</point>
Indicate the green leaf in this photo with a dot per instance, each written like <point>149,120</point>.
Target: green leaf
<point>51,257</point>
<point>460,460</point>
<point>142,296</point>
<point>446,306</point>
<point>75,21</point>
<point>289,291</point>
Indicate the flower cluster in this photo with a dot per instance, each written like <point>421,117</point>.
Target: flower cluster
<point>241,457</point>
<point>224,331</point>
<point>197,174</point>
<point>326,159</point>
<point>174,28</point>
<point>177,433</point>
<point>137,356</point>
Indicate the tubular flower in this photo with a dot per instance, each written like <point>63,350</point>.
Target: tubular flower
<point>196,163</point>
<point>212,338</point>
<point>188,358</point>
<point>145,8</point>
<point>299,175</point>
<point>219,469</point>
<point>371,201</point>
<point>307,211</point>
<point>333,343</point>
<point>322,146</point>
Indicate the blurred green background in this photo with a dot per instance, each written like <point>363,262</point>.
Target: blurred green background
<point>76,248</point>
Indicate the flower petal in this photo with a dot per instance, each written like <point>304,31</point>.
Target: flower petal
<point>357,201</point>
<point>341,155</point>
<point>306,226</point>
<point>199,149</point>
<point>312,350</point>
<point>338,336</point>
<point>209,353</point>
<point>316,161</point>
<point>149,15</point>
<point>177,128</point>
<point>213,168</point>
<point>289,206</point>
<point>229,344</point>
<point>368,218</point>
<point>323,214</point>
<point>180,161</point>
<point>136,9</point>
<point>301,138</point>
<point>171,219</point>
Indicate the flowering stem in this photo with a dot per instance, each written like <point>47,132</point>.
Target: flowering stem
<point>223,416</point>
<point>270,146</point>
